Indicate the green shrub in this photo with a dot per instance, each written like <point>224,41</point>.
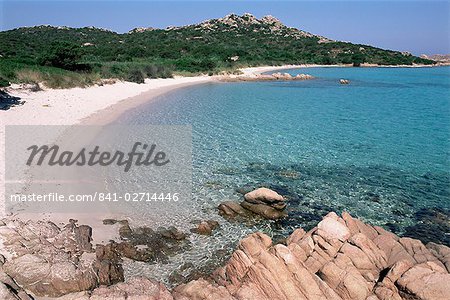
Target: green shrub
<point>195,65</point>
<point>62,55</point>
<point>157,71</point>
<point>151,71</point>
<point>3,82</point>
<point>135,75</point>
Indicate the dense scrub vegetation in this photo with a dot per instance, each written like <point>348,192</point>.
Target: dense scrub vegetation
<point>66,57</point>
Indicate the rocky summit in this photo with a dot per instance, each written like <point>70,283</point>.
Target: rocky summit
<point>340,258</point>
<point>267,24</point>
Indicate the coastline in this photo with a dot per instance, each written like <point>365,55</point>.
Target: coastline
<point>76,105</point>
<point>259,70</point>
<point>97,105</point>
<point>101,105</point>
<point>112,112</point>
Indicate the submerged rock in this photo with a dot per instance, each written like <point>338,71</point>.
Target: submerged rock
<point>125,230</point>
<point>109,221</point>
<point>145,244</point>
<point>205,227</point>
<point>232,209</point>
<point>265,211</point>
<point>432,225</point>
<point>172,233</point>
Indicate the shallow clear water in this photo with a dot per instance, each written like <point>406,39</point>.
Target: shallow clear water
<point>378,148</point>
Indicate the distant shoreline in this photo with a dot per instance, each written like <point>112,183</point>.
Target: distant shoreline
<point>256,70</point>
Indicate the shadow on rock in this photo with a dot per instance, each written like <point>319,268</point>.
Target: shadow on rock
<point>7,101</point>
<point>147,245</point>
<point>433,225</point>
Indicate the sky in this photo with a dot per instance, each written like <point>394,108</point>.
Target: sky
<point>421,27</point>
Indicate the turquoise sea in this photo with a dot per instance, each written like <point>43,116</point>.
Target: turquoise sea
<point>378,148</point>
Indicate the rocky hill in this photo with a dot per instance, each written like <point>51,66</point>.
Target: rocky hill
<point>445,58</point>
<point>210,46</point>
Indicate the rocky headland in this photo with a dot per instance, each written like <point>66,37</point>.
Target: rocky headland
<point>441,59</point>
<point>340,258</point>
<point>264,77</point>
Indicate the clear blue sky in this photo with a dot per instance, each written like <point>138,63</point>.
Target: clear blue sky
<point>416,26</point>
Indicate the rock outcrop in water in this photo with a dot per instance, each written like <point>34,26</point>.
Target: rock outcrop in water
<point>265,77</point>
<point>263,202</point>
<point>205,227</point>
<point>341,258</point>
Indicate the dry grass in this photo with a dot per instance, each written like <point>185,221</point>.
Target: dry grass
<point>57,80</point>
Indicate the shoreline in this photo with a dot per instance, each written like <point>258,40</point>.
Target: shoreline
<point>96,105</point>
<point>114,111</point>
<point>259,70</point>
<point>76,106</point>
<point>101,105</point>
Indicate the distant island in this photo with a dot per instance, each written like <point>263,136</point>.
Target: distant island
<point>442,58</point>
<point>64,57</point>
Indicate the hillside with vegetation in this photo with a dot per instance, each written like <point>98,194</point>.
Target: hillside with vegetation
<point>65,57</point>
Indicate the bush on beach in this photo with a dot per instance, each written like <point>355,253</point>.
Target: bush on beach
<point>134,71</point>
<point>158,71</point>
<point>52,77</point>
<point>135,75</point>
